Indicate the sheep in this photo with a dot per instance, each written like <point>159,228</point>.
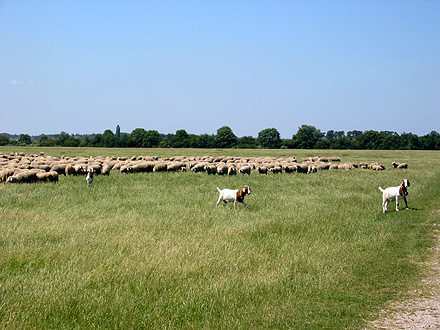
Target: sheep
<point>211,169</point>
<point>106,168</point>
<point>199,167</point>
<point>160,167</point>
<point>60,168</point>
<point>323,166</point>
<point>378,167</point>
<point>5,174</point>
<point>245,170</point>
<point>312,168</point>
<point>302,168</point>
<point>232,170</point>
<point>23,177</point>
<point>276,169</point>
<point>142,167</point>
<point>125,168</point>
<point>262,170</point>
<point>222,169</point>
<point>399,165</point>
<point>51,176</point>
<point>175,166</point>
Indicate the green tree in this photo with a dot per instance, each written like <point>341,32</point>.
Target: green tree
<point>108,139</point>
<point>62,138</point>
<point>431,141</point>
<point>306,137</point>
<point>72,142</point>
<point>225,138</point>
<point>4,140</point>
<point>181,139</point>
<point>247,142</point>
<point>45,141</point>
<point>118,131</point>
<point>137,137</point>
<point>151,139</point>
<point>269,138</point>
<point>24,139</point>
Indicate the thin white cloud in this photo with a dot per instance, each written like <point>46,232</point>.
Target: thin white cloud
<point>18,82</point>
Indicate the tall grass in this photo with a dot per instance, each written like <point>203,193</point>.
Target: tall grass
<point>152,251</point>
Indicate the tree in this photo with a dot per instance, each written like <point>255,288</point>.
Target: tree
<point>24,139</point>
<point>225,138</point>
<point>4,140</point>
<point>62,138</point>
<point>151,139</point>
<point>45,141</point>
<point>306,137</point>
<point>181,139</point>
<point>269,138</point>
<point>431,141</point>
<point>72,142</point>
<point>247,142</point>
<point>118,132</point>
<point>108,139</point>
<point>137,137</point>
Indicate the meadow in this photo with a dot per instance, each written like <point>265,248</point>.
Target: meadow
<point>152,251</point>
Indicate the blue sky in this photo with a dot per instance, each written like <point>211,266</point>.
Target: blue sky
<point>87,66</point>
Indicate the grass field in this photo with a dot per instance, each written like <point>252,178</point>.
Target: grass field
<point>151,250</point>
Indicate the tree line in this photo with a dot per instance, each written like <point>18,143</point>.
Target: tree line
<point>307,137</point>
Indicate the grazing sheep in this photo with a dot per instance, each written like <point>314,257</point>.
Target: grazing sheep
<point>5,174</point>
<point>399,165</point>
<point>23,177</point>
<point>142,167</point>
<point>60,168</point>
<point>232,170</point>
<point>211,169</point>
<point>262,170</point>
<point>175,166</point>
<point>160,167</point>
<point>312,168</point>
<point>229,195</point>
<point>378,167</point>
<point>275,170</point>
<point>222,169</point>
<point>245,170</point>
<point>302,168</point>
<point>199,167</point>
<point>106,168</point>
<point>289,168</point>
<point>395,194</point>
<point>51,176</point>
<point>126,168</point>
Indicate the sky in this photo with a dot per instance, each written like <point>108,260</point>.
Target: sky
<point>86,66</point>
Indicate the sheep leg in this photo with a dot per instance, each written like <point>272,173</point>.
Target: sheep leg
<point>406,203</point>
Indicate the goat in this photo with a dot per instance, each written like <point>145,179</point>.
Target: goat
<point>90,176</point>
<point>395,193</point>
<point>230,195</point>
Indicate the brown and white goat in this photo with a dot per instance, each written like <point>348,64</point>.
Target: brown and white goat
<point>395,194</point>
<point>230,195</point>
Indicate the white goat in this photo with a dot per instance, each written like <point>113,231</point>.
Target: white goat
<point>395,194</point>
<point>230,195</point>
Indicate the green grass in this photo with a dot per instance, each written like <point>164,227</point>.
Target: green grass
<point>152,251</point>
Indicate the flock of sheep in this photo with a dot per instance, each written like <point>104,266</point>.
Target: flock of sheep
<point>21,168</point>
